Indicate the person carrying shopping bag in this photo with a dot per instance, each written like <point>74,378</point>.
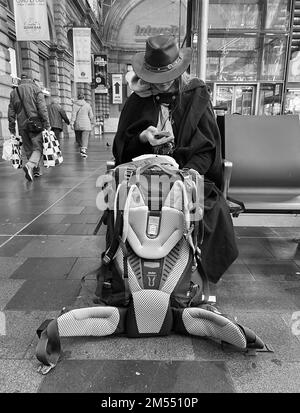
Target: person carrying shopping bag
<point>28,107</point>
<point>82,120</point>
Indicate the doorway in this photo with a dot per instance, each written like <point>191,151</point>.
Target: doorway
<point>237,98</point>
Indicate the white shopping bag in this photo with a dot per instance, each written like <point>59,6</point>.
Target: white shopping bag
<point>7,149</point>
<point>12,151</point>
<point>16,159</point>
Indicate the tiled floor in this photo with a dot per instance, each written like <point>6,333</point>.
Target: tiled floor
<point>47,245</point>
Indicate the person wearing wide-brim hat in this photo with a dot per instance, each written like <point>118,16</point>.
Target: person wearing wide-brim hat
<point>170,110</point>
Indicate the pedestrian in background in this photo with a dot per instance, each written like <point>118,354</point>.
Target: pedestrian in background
<point>28,100</point>
<point>56,116</point>
<point>82,121</point>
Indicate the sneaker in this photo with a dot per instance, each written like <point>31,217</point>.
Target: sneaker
<point>83,152</point>
<point>28,173</point>
<point>36,172</point>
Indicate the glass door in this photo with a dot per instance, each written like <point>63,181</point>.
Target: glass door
<point>237,98</point>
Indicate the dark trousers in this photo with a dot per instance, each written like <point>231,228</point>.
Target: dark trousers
<point>82,138</point>
<point>57,133</point>
<point>33,146</point>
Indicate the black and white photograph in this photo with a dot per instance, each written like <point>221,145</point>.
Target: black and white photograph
<point>149,201</point>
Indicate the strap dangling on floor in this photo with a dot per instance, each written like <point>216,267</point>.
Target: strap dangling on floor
<point>48,348</point>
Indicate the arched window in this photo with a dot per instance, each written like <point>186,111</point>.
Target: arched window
<point>70,39</point>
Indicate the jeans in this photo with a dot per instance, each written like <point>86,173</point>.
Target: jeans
<point>33,147</point>
<point>82,138</point>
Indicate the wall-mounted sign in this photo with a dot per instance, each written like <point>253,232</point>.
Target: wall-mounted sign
<point>100,73</point>
<point>82,54</point>
<point>31,20</point>
<point>150,18</point>
<point>117,88</point>
<point>142,32</point>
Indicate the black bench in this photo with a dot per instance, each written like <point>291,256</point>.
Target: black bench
<point>264,169</point>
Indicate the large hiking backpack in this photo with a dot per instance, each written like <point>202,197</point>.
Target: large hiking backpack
<point>154,228</point>
<point>152,264</point>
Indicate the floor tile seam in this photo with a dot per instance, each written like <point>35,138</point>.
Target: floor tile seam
<point>297,265</point>
<point>71,268</point>
<point>266,282</point>
<point>291,238</point>
<point>229,375</point>
<point>276,278</point>
<point>46,210</point>
<point>57,235</point>
<point>37,280</point>
<point>26,352</point>
<point>157,359</point>
<point>268,260</point>
<point>229,309</point>
<point>17,359</point>
<point>253,278</point>
<point>269,277</point>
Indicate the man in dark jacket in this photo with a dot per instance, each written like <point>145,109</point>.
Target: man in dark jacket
<point>35,106</point>
<point>163,91</point>
<point>56,116</point>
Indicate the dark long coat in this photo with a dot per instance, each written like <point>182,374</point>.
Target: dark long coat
<point>57,115</point>
<point>34,102</point>
<point>197,146</point>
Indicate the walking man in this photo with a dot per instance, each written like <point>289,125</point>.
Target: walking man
<point>28,101</point>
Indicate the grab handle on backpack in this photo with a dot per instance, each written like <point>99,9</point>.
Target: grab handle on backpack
<point>158,165</point>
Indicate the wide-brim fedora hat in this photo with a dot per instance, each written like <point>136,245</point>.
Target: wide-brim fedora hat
<point>162,61</point>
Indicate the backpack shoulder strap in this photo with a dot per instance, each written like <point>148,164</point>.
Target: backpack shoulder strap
<point>119,205</point>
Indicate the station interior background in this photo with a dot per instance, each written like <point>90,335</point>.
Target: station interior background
<point>252,60</point>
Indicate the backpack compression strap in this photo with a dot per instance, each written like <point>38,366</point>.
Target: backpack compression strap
<point>118,225</point>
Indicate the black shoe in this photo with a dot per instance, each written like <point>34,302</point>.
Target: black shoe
<point>36,172</point>
<point>28,173</point>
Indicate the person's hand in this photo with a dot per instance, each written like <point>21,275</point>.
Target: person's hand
<point>155,137</point>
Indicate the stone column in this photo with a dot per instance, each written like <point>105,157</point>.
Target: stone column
<point>62,60</point>
<point>53,72</point>
<point>60,19</point>
<point>30,59</point>
<point>64,81</point>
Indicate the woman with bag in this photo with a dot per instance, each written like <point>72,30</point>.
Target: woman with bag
<point>82,121</point>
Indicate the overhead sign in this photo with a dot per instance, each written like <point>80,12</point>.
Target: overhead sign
<point>100,73</point>
<point>82,55</point>
<point>31,20</point>
<point>117,89</point>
